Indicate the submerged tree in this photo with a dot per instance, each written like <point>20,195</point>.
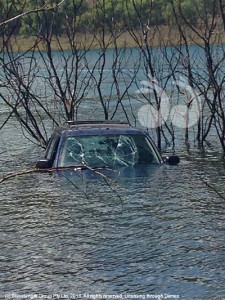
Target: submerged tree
<point>205,67</point>
<point>49,87</point>
<point>50,83</point>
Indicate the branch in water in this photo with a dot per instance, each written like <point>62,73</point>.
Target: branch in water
<point>52,170</point>
<point>214,189</point>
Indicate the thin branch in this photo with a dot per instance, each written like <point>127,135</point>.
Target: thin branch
<point>213,189</point>
<point>74,168</point>
<point>43,8</point>
<point>50,170</point>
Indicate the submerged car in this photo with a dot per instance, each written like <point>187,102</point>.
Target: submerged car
<point>98,144</point>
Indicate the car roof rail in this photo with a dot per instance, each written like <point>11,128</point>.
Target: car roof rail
<point>92,122</point>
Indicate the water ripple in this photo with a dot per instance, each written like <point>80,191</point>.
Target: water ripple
<point>164,234</point>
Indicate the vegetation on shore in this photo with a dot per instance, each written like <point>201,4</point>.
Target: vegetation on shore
<point>92,14</point>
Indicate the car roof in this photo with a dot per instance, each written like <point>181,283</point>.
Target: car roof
<point>96,127</point>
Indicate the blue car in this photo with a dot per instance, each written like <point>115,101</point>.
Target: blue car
<point>100,144</point>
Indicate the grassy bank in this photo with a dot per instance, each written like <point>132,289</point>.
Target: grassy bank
<point>162,36</point>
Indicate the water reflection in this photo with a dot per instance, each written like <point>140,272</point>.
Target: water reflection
<point>146,230</point>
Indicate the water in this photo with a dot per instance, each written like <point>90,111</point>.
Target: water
<point>144,234</point>
<point>149,232</point>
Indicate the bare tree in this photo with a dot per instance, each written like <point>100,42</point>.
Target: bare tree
<point>205,72</point>
<point>46,85</point>
<point>154,60</point>
<point>45,88</point>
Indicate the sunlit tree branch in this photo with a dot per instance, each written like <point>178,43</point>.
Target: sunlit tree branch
<point>43,8</point>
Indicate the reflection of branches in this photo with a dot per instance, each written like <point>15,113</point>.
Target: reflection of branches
<point>43,8</point>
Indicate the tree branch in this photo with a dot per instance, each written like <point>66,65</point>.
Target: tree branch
<point>208,185</point>
<point>74,168</point>
<point>43,8</point>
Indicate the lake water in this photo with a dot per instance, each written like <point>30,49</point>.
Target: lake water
<point>147,234</point>
<point>155,232</point>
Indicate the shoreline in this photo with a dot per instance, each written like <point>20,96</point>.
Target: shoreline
<point>159,37</point>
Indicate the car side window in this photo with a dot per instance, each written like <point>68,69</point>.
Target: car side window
<point>52,147</point>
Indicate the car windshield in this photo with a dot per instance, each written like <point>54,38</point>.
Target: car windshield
<point>107,151</point>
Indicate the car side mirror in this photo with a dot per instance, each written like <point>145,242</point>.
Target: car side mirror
<point>43,164</point>
<point>172,160</point>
